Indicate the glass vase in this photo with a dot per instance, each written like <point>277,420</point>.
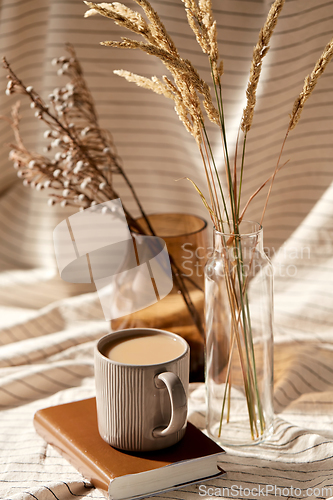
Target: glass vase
<point>186,237</point>
<point>239,338</point>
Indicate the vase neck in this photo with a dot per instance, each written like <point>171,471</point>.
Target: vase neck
<point>250,237</point>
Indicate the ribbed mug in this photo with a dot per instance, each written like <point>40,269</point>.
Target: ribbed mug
<point>141,407</point>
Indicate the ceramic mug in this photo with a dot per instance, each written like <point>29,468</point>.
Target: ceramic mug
<point>142,406</point>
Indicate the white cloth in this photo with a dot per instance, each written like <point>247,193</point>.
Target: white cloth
<point>48,328</point>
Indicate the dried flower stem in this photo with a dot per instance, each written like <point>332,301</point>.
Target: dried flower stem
<point>259,53</point>
<point>309,84</point>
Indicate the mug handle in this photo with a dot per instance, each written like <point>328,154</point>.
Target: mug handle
<point>178,403</point>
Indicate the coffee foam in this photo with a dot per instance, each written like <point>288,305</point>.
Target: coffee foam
<point>144,349</point>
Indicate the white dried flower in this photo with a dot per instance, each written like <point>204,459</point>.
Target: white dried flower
<point>54,61</point>
<point>56,143</point>
<point>57,172</point>
<point>47,183</point>
<point>25,183</point>
<point>78,167</point>
<point>57,156</point>
<point>29,89</point>
<point>47,133</point>
<point>31,163</point>
<point>63,203</point>
<point>81,197</point>
<point>102,185</point>
<point>32,105</point>
<point>65,192</point>
<point>50,202</point>
<point>39,186</point>
<point>93,203</point>
<point>85,182</point>
<point>20,174</point>
<point>85,131</point>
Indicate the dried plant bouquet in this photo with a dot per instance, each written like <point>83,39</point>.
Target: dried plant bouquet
<point>80,160</point>
<point>194,100</point>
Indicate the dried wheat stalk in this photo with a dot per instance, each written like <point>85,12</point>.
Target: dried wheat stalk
<point>259,53</point>
<point>308,87</point>
<point>188,87</point>
<point>309,84</point>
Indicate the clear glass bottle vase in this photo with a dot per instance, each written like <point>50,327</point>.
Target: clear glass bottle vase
<point>239,338</point>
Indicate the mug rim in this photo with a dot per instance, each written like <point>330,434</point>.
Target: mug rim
<point>132,331</point>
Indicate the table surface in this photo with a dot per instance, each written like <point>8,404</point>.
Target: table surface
<point>54,364</point>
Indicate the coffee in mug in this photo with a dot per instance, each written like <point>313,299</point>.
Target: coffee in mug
<point>141,377</point>
<point>144,349</point>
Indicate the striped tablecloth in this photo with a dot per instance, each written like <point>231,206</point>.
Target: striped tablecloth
<point>48,328</point>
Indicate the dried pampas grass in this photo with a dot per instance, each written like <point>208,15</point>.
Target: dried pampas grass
<point>309,84</point>
<point>259,53</point>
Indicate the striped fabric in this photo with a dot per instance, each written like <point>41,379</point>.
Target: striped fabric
<point>48,328</point>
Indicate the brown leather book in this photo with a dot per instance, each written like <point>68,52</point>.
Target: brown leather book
<point>72,429</point>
